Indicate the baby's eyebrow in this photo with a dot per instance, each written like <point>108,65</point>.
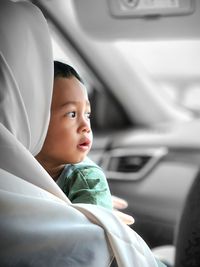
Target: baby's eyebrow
<point>69,103</point>
<point>74,103</point>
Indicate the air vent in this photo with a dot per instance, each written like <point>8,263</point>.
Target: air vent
<point>131,164</point>
<point>128,163</point>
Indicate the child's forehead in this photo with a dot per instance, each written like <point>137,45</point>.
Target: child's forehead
<point>69,83</point>
<point>69,89</point>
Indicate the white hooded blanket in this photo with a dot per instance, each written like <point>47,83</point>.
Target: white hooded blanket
<point>38,224</point>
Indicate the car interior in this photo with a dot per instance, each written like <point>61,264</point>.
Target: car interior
<point>140,61</point>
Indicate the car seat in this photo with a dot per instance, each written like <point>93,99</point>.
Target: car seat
<point>186,252</point>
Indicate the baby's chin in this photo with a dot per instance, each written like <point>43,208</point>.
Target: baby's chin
<point>77,160</point>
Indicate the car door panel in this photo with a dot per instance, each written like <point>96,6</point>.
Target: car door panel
<point>154,179</point>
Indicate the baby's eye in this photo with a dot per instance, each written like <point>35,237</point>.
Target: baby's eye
<point>88,115</point>
<point>71,114</point>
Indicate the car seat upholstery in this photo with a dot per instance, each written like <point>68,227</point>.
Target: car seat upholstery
<point>188,239</point>
<point>186,252</point>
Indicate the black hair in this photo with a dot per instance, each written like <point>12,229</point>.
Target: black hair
<point>65,71</point>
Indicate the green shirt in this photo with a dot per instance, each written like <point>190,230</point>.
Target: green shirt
<point>85,182</point>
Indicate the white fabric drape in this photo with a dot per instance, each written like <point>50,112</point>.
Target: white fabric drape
<point>38,224</point>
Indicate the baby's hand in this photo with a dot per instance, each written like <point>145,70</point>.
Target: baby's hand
<point>119,203</point>
<point>127,219</point>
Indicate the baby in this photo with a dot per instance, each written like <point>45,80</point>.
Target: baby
<point>69,140</point>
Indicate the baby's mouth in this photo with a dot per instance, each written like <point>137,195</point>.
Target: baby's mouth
<point>85,144</point>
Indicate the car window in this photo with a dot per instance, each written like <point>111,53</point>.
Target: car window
<point>175,65</point>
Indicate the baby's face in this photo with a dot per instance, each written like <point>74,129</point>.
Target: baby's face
<point>69,136</point>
